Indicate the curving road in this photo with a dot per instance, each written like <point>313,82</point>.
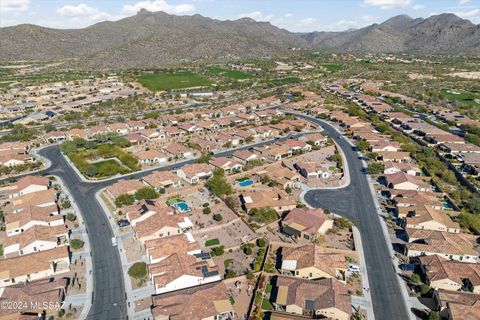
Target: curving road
<point>356,203</point>
<point>109,297</point>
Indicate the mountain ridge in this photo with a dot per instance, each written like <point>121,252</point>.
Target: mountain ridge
<point>157,38</point>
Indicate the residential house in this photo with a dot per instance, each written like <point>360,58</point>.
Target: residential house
<point>180,271</point>
<point>226,164</point>
<point>35,239</point>
<point>159,249</point>
<point>208,301</point>
<point>124,187</point>
<point>162,223</point>
<point>195,172</point>
<point>403,181</point>
<point>450,275</point>
<point>178,150</point>
<point>395,156</point>
<point>162,180</point>
<point>426,218</point>
<point>36,297</point>
<point>152,156</point>
<point>279,200</point>
<point>244,156</point>
<point>316,262</point>
<point>327,298</point>
<point>31,216</point>
<point>305,223</point>
<point>395,167</point>
<point>453,246</point>
<point>457,305</point>
<point>34,266</point>
<point>26,185</point>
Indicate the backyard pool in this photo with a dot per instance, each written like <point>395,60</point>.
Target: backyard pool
<point>245,183</point>
<point>447,205</point>
<point>182,206</point>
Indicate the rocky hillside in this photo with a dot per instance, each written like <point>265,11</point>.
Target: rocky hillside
<point>157,38</point>
<point>441,34</point>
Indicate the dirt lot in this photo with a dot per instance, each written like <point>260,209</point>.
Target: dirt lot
<point>133,249</point>
<point>231,235</point>
<point>77,281</point>
<point>241,290</point>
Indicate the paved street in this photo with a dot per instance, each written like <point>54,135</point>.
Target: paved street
<point>356,203</point>
<point>108,287</point>
<point>109,296</point>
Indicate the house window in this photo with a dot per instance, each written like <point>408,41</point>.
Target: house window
<point>306,236</point>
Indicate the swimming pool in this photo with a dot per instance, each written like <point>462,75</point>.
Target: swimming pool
<point>245,183</point>
<point>182,206</point>
<point>447,205</point>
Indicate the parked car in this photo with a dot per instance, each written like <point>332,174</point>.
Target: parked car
<point>407,267</point>
<point>123,223</point>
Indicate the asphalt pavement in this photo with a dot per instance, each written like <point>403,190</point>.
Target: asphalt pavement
<point>355,202</point>
<point>109,296</point>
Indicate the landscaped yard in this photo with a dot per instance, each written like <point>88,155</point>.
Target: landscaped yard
<point>233,74</point>
<point>172,80</point>
<point>100,160</point>
<point>212,242</point>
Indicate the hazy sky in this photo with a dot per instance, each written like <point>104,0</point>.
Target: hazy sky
<point>294,15</point>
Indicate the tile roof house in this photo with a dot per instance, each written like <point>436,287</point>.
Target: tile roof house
<point>395,167</point>
<point>161,248</point>
<point>279,200</point>
<point>450,275</point>
<point>11,158</point>
<point>244,156</point>
<point>403,181</point>
<point>194,172</point>
<point>124,187</point>
<point>413,198</point>
<point>305,223</point>
<point>43,198</point>
<point>457,305</point>
<point>315,262</point>
<point>41,295</point>
<point>395,156</point>
<point>162,180</point>
<point>385,146</point>
<point>228,165</point>
<point>178,150</point>
<point>37,238</point>
<point>34,266</point>
<point>162,223</point>
<point>326,298</point>
<point>16,223</point>
<point>426,218</point>
<point>453,246</point>
<point>180,271</point>
<point>26,185</point>
<point>143,209</point>
<point>209,301</point>
<point>151,156</point>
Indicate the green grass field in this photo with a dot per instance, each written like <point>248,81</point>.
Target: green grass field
<point>172,81</point>
<point>463,97</point>
<point>232,74</point>
<point>110,167</point>
<point>212,242</point>
<point>331,67</point>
